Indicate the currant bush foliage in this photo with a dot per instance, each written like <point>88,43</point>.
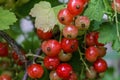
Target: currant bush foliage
<point>7,18</point>
<point>45,14</point>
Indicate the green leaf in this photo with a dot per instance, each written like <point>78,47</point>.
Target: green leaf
<point>95,10</point>
<point>25,9</point>
<point>7,18</point>
<point>116,45</point>
<point>107,33</point>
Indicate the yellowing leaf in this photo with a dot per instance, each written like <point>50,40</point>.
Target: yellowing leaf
<point>7,18</point>
<point>40,9</point>
<point>45,16</point>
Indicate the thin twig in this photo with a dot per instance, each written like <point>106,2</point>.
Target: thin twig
<point>25,76</point>
<point>14,45</point>
<point>83,60</point>
<point>116,20</point>
<point>35,56</point>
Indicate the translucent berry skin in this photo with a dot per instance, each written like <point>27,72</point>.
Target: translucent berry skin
<point>51,63</point>
<point>53,76</point>
<point>96,36</point>
<point>64,70</point>
<point>117,5</point>
<point>5,77</point>
<point>75,7</point>
<point>92,39</point>
<point>73,76</point>
<point>101,51</point>
<point>70,31</point>
<point>69,45</point>
<point>82,22</point>
<point>100,65</point>
<point>44,35</point>
<point>92,74</point>
<point>91,54</point>
<point>35,71</point>
<point>64,57</point>
<point>51,48</point>
<point>65,17</point>
<point>3,49</point>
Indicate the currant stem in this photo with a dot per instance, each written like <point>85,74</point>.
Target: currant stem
<point>116,20</point>
<point>83,60</point>
<point>60,36</point>
<point>25,76</point>
<point>34,55</point>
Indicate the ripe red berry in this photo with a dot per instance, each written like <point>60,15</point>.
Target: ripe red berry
<point>69,45</point>
<point>53,76</point>
<point>91,54</point>
<point>100,65</point>
<point>51,48</point>
<point>96,36</point>
<point>3,49</point>
<point>35,71</point>
<point>5,77</point>
<point>51,63</point>
<point>64,56</point>
<point>73,76</point>
<point>82,22</point>
<point>70,31</point>
<point>64,70</point>
<point>65,17</point>
<point>44,35</point>
<point>92,39</point>
<point>76,6</point>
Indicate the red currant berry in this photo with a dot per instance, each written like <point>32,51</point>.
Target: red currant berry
<point>92,39</point>
<point>91,54</point>
<point>64,56</point>
<point>70,31</point>
<point>3,49</point>
<point>73,76</point>
<point>69,45</point>
<point>75,6</point>
<point>65,17</point>
<point>117,5</point>
<point>44,35</point>
<point>5,77</point>
<point>92,74</point>
<point>35,71</point>
<point>64,70</point>
<point>53,76</point>
<point>51,48</point>
<point>101,51</point>
<point>82,22</point>
<point>100,65</point>
<point>96,36</point>
<point>51,62</point>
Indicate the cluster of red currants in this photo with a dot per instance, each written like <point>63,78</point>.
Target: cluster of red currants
<point>94,53</point>
<point>57,53</point>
